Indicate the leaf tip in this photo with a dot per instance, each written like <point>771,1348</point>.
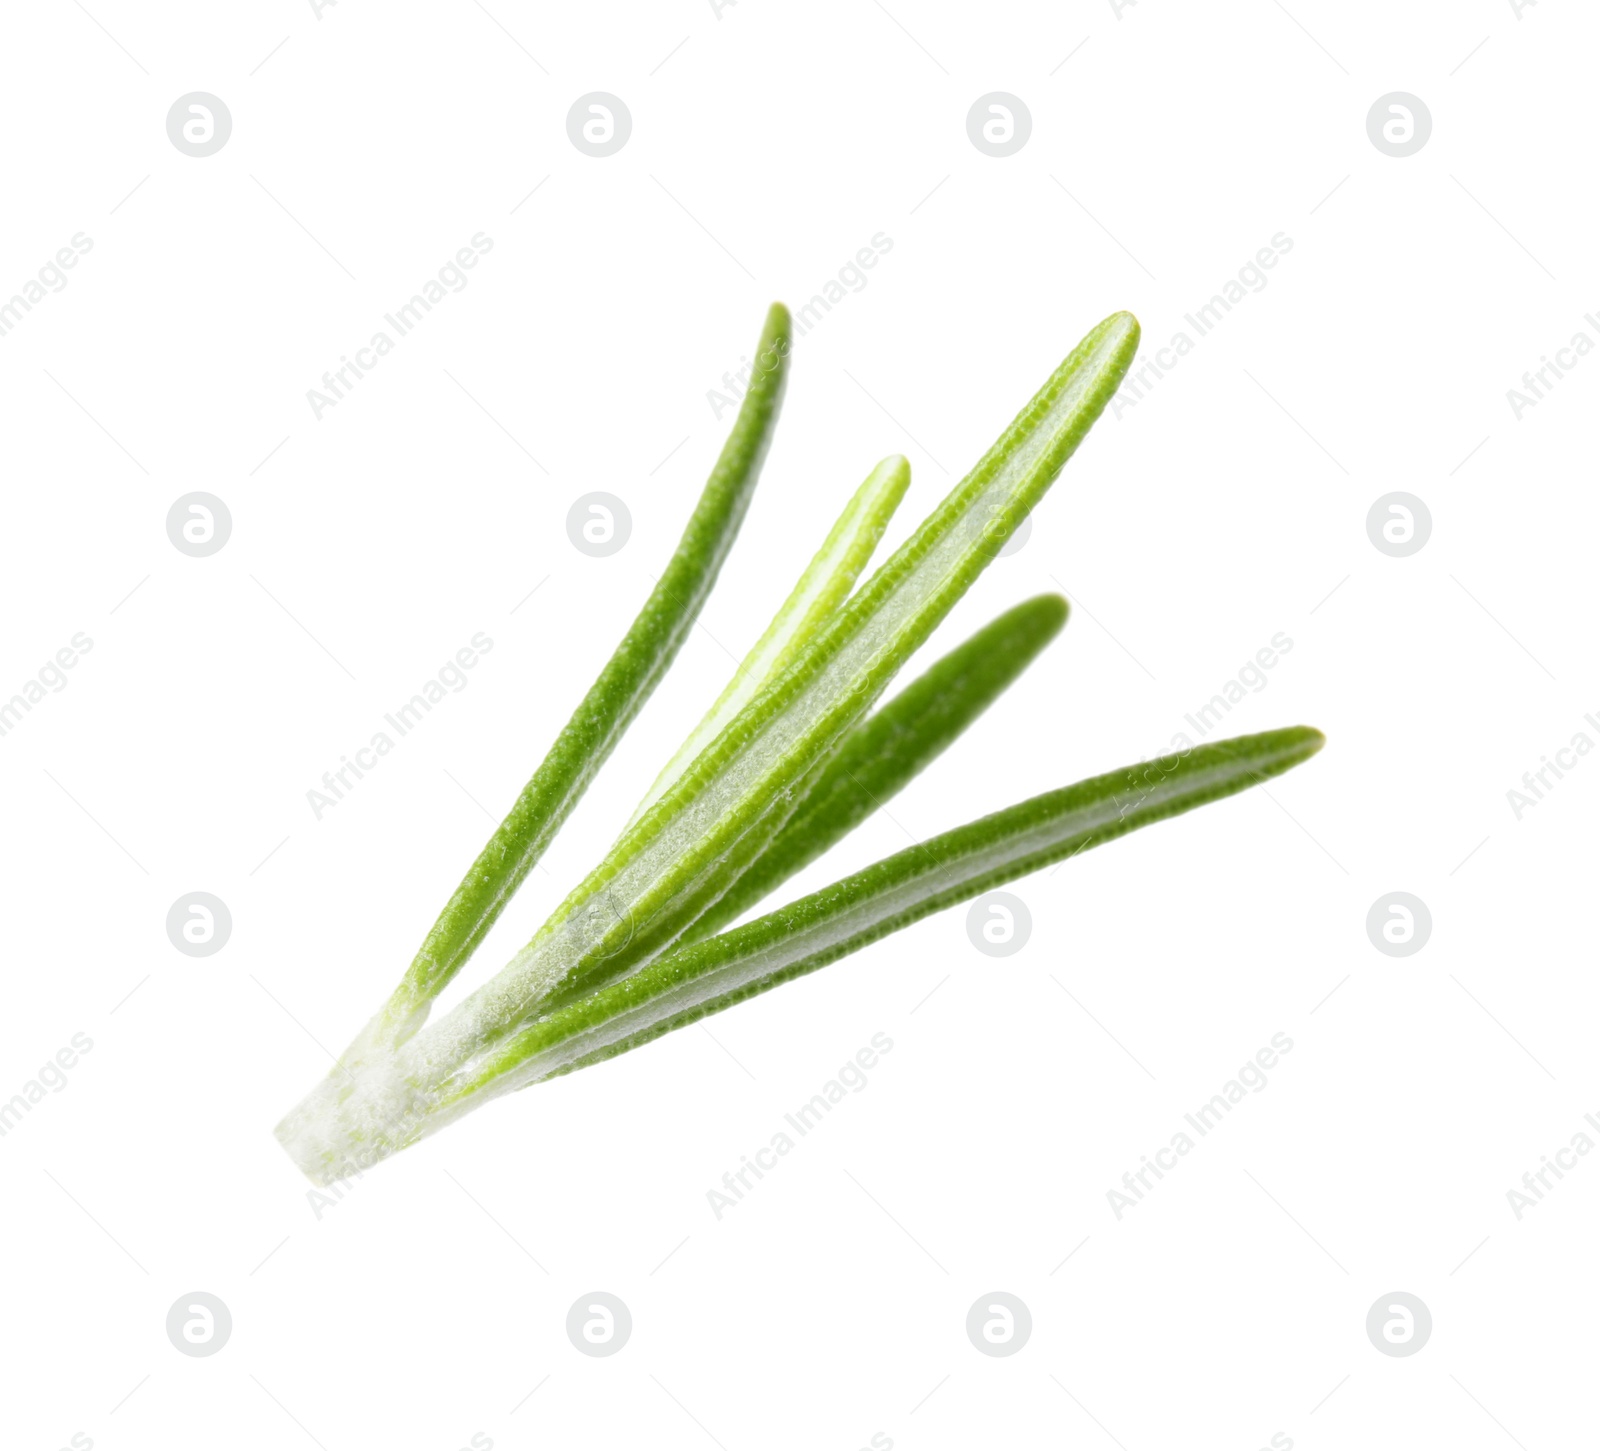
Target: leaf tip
<point>1298,744</point>
<point>894,473</point>
<point>1121,330</point>
<point>778,324</point>
<point>1051,611</point>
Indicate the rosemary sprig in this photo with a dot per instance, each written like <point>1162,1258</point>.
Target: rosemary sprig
<point>785,763</point>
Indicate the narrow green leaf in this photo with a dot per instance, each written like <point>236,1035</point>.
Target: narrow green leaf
<point>706,977</point>
<point>616,696</point>
<point>886,751</point>
<point>829,577</point>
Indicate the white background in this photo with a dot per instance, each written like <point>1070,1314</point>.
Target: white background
<point>768,145</point>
